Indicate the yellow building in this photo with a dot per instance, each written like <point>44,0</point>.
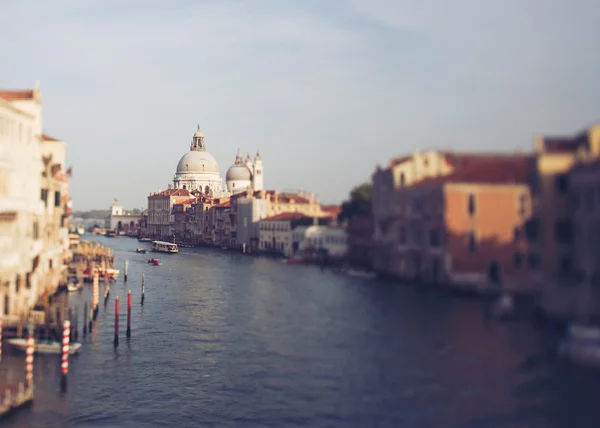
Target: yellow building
<point>550,231</point>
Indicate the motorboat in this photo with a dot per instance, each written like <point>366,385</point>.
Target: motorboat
<point>154,262</point>
<point>141,250</point>
<point>164,247</point>
<point>144,240</point>
<point>44,347</point>
<point>581,345</point>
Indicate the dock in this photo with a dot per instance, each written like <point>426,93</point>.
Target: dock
<point>13,397</point>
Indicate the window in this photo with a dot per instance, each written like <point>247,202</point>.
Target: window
<point>523,205</point>
<point>533,260</point>
<point>402,180</point>
<point>576,199</point>
<point>516,234</point>
<point>6,302</point>
<point>561,183</point>
<point>472,242</point>
<point>36,230</point>
<point>471,205</point>
<point>566,265</point>
<point>28,280</point>
<point>402,237</point>
<point>518,260</point>
<point>57,199</point>
<point>434,238</point>
<point>588,194</point>
<point>532,229</point>
<point>44,196</point>
<point>563,231</point>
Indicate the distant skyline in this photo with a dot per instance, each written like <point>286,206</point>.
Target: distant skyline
<point>325,90</point>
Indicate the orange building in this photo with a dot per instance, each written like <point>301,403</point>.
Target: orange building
<point>465,227</point>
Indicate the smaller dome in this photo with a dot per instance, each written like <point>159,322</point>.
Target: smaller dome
<point>238,172</point>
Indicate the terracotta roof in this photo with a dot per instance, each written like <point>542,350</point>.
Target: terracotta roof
<point>565,144</point>
<point>332,209</point>
<point>225,204</point>
<point>287,197</point>
<point>173,192</point>
<point>48,138</point>
<point>515,169</point>
<point>16,95</point>
<point>188,201</point>
<point>286,217</point>
<point>399,160</point>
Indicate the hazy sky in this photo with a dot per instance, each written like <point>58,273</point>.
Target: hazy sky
<point>325,89</point>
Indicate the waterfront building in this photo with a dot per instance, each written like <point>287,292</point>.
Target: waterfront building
<point>574,293</point>
<point>160,215</point>
<point>550,231</point>
<point>220,223</point>
<point>34,204</point>
<point>248,208</point>
<point>460,222</point>
<point>320,239</point>
<point>120,220</point>
<point>275,232</point>
<point>182,228</point>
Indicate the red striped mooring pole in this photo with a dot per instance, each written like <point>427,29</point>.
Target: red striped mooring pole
<point>65,355</point>
<point>116,342</point>
<point>29,357</point>
<point>128,331</point>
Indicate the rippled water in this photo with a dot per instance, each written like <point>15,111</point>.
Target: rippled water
<point>227,340</point>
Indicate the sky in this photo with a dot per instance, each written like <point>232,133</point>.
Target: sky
<point>325,90</point>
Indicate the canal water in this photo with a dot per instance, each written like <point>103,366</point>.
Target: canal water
<point>226,340</point>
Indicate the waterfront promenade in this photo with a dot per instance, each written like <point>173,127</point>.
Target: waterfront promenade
<point>228,340</point>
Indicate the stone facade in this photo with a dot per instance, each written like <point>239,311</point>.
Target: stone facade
<point>34,205</point>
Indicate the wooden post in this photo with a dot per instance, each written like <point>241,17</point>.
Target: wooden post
<point>95,292</point>
<point>116,341</point>
<point>126,265</point>
<point>85,312</point>
<point>71,334</point>
<point>75,332</point>
<point>65,355</point>
<point>29,357</point>
<point>143,291</point>
<point>90,316</point>
<point>128,331</point>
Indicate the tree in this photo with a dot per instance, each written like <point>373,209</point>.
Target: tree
<point>359,203</point>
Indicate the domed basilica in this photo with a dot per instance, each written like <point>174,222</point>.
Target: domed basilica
<point>199,170</point>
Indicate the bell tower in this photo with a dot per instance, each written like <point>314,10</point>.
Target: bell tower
<point>257,173</point>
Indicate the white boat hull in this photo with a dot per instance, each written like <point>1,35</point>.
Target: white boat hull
<point>44,347</point>
<point>582,345</point>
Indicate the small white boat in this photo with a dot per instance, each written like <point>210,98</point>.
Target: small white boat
<point>74,287</point>
<point>359,273</point>
<point>503,307</point>
<point>582,345</point>
<point>44,347</point>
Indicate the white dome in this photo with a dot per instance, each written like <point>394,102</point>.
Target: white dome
<point>197,162</point>
<point>238,172</point>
